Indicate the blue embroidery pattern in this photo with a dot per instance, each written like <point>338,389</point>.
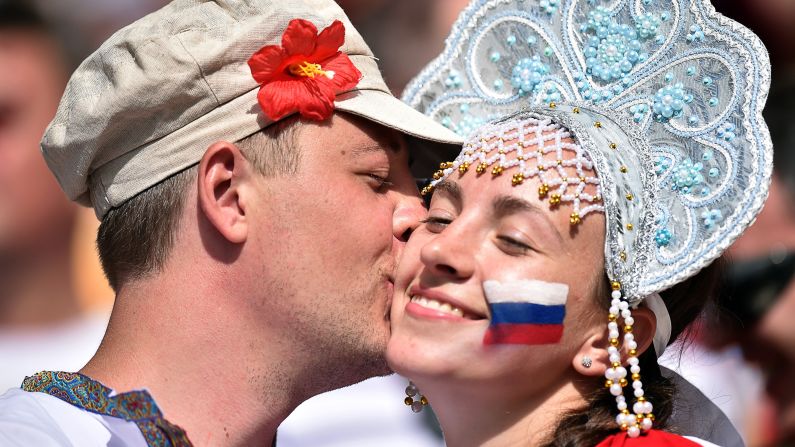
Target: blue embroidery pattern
<point>92,396</point>
<point>691,81</point>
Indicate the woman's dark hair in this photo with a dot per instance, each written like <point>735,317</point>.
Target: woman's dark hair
<point>591,424</point>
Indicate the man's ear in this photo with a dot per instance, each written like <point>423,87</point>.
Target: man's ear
<point>595,346</point>
<point>223,175</point>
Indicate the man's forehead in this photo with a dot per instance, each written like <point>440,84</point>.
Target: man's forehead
<point>385,137</point>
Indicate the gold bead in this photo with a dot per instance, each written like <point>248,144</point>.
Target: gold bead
<point>635,376</point>
<point>560,162</point>
<point>630,197</point>
<point>624,427</point>
<point>543,190</point>
<point>554,199</point>
<point>622,382</point>
<point>574,219</point>
<point>613,145</point>
<point>623,255</point>
<point>650,416</point>
<point>462,168</point>
<point>597,124</point>
<point>497,170</point>
<point>481,168</point>
<point>614,342</point>
<point>616,364</point>
<point>615,285</point>
<point>630,226</point>
<point>552,105</point>
<point>501,151</point>
<point>623,169</point>
<point>520,157</point>
<point>576,110</point>
<point>582,179</point>
<point>597,198</point>
<point>408,400</point>
<point>469,153</point>
<point>517,179</point>
<point>627,329</point>
<point>633,353</point>
<point>608,383</point>
<point>611,317</point>
<point>541,167</point>
<point>641,399</point>
<point>423,400</point>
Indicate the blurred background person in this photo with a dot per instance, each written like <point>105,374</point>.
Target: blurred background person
<point>43,323</point>
<point>758,308</point>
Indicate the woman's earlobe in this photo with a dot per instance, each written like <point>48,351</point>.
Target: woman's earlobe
<point>592,359</point>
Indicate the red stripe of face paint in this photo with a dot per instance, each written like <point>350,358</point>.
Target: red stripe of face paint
<point>523,334</point>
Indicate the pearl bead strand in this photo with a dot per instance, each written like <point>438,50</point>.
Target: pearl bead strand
<point>641,418</point>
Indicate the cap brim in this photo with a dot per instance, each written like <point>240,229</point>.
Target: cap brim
<point>391,112</point>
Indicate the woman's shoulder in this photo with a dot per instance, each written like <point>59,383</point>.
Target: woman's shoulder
<point>655,438</point>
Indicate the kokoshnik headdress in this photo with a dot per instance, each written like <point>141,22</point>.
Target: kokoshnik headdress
<point>664,97</point>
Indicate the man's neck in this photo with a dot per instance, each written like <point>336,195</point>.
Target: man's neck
<point>37,290</point>
<point>201,362</point>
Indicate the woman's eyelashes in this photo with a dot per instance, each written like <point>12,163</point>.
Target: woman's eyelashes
<point>436,223</point>
<point>512,245</point>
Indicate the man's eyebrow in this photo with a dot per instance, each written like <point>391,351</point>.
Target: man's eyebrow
<point>506,205</point>
<point>391,143</point>
<point>359,151</point>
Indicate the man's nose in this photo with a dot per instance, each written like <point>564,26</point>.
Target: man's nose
<point>408,213</point>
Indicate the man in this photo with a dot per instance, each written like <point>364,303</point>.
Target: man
<point>251,249</point>
<point>42,321</point>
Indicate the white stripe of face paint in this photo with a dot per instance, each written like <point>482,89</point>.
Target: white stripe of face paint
<point>526,291</point>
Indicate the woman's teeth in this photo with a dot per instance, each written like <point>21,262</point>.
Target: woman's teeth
<point>437,305</point>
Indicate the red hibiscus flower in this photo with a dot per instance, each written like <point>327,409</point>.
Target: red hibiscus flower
<point>305,73</point>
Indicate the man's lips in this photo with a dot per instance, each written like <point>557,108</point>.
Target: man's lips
<point>437,304</point>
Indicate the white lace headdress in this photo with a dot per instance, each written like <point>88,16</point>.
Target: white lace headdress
<point>676,86</point>
<point>665,98</point>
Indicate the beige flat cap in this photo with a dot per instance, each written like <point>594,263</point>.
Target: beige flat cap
<point>153,97</point>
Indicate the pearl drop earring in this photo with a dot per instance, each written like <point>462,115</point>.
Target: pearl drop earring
<point>416,405</point>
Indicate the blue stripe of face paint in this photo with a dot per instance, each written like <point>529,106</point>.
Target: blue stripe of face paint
<point>526,313</point>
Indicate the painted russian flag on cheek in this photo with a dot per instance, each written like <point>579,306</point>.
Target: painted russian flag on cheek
<point>525,312</point>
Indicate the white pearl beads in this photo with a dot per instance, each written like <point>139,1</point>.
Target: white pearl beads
<point>616,374</point>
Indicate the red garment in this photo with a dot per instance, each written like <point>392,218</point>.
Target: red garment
<point>653,438</point>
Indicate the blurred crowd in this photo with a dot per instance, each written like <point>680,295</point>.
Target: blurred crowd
<point>54,301</point>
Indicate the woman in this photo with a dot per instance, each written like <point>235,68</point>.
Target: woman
<point>553,266</point>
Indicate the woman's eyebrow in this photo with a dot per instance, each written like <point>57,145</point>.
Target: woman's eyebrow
<point>505,205</point>
<point>451,189</point>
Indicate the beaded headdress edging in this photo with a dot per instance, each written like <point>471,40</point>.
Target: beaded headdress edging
<point>526,147</point>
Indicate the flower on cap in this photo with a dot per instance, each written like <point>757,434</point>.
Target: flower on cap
<point>305,73</point>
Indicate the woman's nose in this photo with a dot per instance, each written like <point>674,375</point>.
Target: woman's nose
<point>449,254</point>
